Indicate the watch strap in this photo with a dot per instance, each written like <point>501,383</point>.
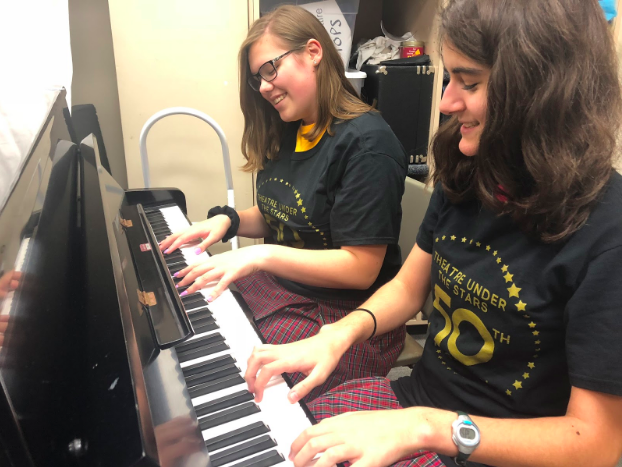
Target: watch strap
<point>462,457</point>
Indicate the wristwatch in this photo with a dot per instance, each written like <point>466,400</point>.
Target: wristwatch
<point>465,435</point>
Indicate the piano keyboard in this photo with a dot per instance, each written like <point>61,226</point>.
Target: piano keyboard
<point>237,431</point>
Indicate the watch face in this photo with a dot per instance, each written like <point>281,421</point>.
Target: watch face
<point>468,436</point>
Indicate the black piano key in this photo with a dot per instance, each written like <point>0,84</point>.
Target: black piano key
<point>162,231</point>
<point>236,436</point>
<point>159,205</point>
<point>202,352</point>
<point>160,237</point>
<point>170,263</point>
<point>205,327</point>
<point>177,267</point>
<point>223,360</point>
<point>211,375</point>
<point>199,342</point>
<point>225,402</point>
<point>177,280</point>
<point>152,212</point>
<point>174,254</point>
<point>228,415</point>
<point>194,302</point>
<point>199,313</point>
<point>191,297</point>
<point>156,222</point>
<point>266,459</point>
<point>242,450</point>
<point>182,289</point>
<point>217,385</point>
<point>202,321</point>
<point>173,261</point>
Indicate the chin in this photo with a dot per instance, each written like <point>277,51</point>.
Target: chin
<point>287,118</point>
<point>468,149</point>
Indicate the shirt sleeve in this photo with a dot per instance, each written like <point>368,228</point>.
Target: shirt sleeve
<point>594,326</point>
<point>426,230</point>
<point>367,208</point>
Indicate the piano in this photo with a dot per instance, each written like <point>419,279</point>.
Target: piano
<point>102,363</point>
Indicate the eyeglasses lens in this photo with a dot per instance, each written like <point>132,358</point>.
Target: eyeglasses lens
<point>267,72</point>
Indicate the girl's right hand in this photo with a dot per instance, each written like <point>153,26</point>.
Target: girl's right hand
<point>211,231</point>
<point>317,357</point>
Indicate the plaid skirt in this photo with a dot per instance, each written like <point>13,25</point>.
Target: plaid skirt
<point>283,316</point>
<point>368,394</point>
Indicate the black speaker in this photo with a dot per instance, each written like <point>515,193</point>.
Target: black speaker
<point>403,95</point>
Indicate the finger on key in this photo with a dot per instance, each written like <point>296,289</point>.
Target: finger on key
<point>167,242</point>
<point>219,288</point>
<point>202,281</point>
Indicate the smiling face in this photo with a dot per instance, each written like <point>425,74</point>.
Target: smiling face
<point>293,93</point>
<point>465,97</point>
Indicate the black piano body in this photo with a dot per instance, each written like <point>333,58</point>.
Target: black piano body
<point>88,368</point>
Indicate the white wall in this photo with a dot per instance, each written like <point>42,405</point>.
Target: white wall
<point>171,54</point>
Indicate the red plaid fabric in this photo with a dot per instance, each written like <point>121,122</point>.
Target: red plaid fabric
<point>368,394</point>
<point>283,316</point>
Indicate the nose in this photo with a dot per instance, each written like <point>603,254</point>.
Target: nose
<point>265,86</point>
<point>452,101</point>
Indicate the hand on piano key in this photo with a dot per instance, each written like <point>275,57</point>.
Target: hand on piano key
<point>317,357</point>
<point>221,270</point>
<point>376,438</point>
<point>9,283</point>
<point>206,233</point>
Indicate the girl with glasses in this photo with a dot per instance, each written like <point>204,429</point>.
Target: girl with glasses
<point>330,177</point>
<point>521,248</point>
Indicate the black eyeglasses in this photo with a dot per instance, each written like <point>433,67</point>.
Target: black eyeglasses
<point>267,72</point>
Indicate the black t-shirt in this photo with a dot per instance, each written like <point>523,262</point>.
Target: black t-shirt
<point>517,322</point>
<point>346,190</point>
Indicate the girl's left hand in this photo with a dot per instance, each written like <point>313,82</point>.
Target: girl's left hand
<point>367,439</point>
<point>223,268</point>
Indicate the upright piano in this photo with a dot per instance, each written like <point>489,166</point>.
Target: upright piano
<point>101,362</point>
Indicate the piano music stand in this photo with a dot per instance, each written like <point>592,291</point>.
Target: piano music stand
<point>223,142</point>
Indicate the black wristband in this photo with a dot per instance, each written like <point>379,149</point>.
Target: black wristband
<point>373,317</point>
<point>231,214</point>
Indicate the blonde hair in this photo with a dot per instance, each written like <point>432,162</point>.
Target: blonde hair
<point>336,97</point>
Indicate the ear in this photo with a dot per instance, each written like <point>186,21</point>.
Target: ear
<point>314,49</point>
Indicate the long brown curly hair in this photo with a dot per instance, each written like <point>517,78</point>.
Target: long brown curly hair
<point>337,98</point>
<point>554,108</point>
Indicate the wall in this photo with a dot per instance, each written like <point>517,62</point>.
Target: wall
<point>94,75</point>
<point>171,54</point>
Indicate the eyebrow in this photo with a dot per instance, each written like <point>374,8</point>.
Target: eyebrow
<point>466,71</point>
